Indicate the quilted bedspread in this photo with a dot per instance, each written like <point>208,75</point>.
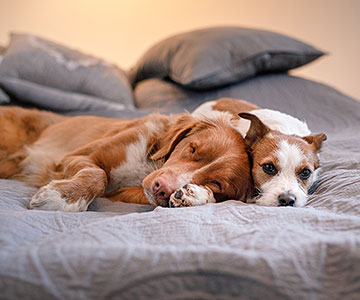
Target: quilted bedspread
<point>227,250</point>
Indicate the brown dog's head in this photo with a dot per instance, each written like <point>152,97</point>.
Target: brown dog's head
<point>283,166</point>
<point>206,151</point>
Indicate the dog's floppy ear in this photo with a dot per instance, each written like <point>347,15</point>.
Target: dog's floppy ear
<point>176,132</point>
<point>315,140</point>
<point>256,131</point>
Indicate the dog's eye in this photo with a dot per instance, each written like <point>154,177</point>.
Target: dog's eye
<point>305,174</point>
<point>217,183</point>
<point>269,169</point>
<point>192,149</point>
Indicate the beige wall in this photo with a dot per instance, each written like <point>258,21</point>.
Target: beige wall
<point>120,31</point>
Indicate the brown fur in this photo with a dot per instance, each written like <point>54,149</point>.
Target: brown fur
<point>20,127</point>
<point>262,144</point>
<point>234,106</point>
<point>128,194</point>
<point>200,157</point>
<point>265,152</point>
<point>74,156</point>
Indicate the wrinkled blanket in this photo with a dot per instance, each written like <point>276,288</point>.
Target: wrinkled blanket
<point>226,250</point>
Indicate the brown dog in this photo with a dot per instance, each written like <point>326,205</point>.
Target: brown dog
<point>76,159</point>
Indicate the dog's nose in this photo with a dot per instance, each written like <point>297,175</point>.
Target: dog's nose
<point>161,188</point>
<point>287,199</point>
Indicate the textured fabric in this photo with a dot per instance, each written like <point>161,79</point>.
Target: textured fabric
<point>212,57</point>
<point>52,66</point>
<point>227,250</point>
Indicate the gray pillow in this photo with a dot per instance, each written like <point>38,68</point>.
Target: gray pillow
<point>213,57</point>
<point>4,98</point>
<point>46,70</point>
<point>55,99</point>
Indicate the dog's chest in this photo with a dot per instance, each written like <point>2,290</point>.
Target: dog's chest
<point>134,168</point>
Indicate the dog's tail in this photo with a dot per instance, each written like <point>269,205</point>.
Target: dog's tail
<point>20,127</point>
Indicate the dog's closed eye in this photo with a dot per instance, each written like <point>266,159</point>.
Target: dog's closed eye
<point>214,185</point>
<point>217,183</point>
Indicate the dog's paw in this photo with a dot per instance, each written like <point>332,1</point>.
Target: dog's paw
<point>191,195</point>
<point>49,197</point>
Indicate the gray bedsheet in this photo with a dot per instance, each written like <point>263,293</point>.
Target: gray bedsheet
<point>227,250</point>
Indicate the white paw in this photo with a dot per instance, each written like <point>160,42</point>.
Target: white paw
<point>48,198</point>
<point>191,195</point>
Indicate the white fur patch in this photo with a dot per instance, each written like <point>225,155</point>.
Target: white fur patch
<point>48,198</point>
<point>136,166</point>
<point>290,156</point>
<point>285,181</point>
<point>204,109</point>
<point>275,120</point>
<point>134,169</point>
<point>282,122</point>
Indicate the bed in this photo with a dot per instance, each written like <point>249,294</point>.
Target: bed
<point>228,250</point>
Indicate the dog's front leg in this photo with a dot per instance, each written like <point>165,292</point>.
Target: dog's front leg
<point>130,194</point>
<point>84,181</point>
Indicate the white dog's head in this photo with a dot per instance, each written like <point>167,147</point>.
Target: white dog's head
<point>284,166</point>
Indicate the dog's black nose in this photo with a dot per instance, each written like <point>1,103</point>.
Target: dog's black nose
<point>287,199</point>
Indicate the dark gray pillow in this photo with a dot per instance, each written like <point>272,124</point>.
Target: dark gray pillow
<point>4,98</point>
<point>213,57</point>
<point>36,69</point>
